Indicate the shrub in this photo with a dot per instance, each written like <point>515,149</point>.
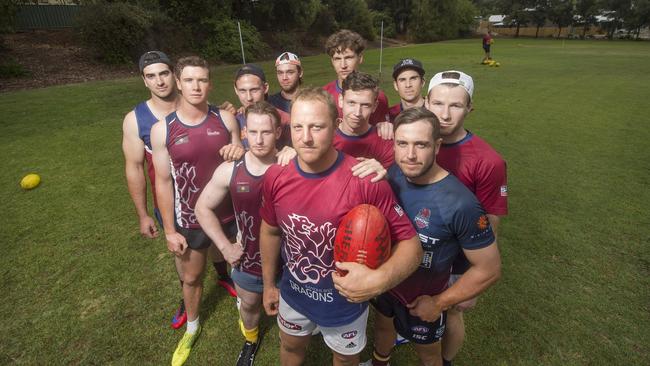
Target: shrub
<point>222,41</point>
<point>389,24</point>
<point>12,69</point>
<point>120,32</point>
<point>292,42</point>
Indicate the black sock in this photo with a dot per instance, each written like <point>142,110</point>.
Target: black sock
<point>445,362</point>
<point>222,269</point>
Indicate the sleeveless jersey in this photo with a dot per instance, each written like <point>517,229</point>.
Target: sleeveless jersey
<point>145,119</point>
<point>379,115</point>
<point>308,209</point>
<point>448,219</point>
<point>368,145</point>
<point>194,155</point>
<point>246,193</point>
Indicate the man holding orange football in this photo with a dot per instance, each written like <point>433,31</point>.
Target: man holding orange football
<point>302,206</point>
<point>449,220</point>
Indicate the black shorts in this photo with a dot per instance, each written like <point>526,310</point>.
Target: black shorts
<point>408,326</point>
<point>486,48</point>
<point>198,239</point>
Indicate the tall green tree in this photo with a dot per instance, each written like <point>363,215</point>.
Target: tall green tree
<point>561,13</point>
<point>587,11</point>
<point>638,16</point>
<point>617,10</point>
<point>516,13</point>
<point>538,14</point>
<point>353,15</point>
<point>433,20</point>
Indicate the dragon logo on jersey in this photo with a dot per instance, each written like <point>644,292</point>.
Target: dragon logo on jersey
<point>185,188</point>
<point>422,218</point>
<point>245,224</point>
<point>308,248</point>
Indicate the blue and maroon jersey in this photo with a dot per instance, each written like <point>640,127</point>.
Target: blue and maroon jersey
<point>394,111</point>
<point>145,119</point>
<point>379,115</point>
<point>246,194</point>
<point>308,209</point>
<point>368,145</point>
<point>448,219</point>
<point>194,155</point>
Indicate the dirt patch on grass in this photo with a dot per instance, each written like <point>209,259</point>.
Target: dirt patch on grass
<point>53,58</point>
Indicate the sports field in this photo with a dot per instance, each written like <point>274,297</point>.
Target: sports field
<point>80,286</point>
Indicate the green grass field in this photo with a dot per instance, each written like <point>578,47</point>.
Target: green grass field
<point>80,286</point>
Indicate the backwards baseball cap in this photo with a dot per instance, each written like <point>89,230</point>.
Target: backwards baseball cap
<point>287,58</point>
<point>154,57</point>
<point>408,63</point>
<point>453,77</point>
<point>250,69</point>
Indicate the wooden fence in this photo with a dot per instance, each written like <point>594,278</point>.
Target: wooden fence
<point>31,17</point>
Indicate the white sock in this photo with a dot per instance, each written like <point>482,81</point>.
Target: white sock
<point>192,325</point>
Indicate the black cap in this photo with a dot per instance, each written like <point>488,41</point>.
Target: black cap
<point>408,63</point>
<point>154,57</point>
<point>251,69</point>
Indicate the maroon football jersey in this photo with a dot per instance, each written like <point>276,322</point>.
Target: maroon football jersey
<point>369,145</point>
<point>379,115</point>
<point>480,168</point>
<point>308,209</point>
<point>194,155</point>
<point>394,111</point>
<point>246,193</point>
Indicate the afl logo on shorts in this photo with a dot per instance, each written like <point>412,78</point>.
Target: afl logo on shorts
<point>289,325</point>
<point>349,335</point>
<point>420,329</point>
<point>422,218</point>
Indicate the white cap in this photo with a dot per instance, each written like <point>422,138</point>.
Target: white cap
<point>453,77</point>
<point>287,58</point>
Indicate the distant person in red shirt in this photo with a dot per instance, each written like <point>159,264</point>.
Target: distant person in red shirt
<point>408,80</point>
<point>487,42</point>
<point>345,49</point>
<point>476,164</point>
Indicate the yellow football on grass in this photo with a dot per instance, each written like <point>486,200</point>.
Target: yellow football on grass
<point>30,181</point>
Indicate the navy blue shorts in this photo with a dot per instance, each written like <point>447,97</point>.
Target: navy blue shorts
<point>408,326</point>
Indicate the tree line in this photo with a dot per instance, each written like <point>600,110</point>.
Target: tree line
<point>632,15</point>
<point>117,31</point>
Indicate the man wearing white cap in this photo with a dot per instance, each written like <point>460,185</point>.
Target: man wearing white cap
<point>476,164</point>
<point>289,72</point>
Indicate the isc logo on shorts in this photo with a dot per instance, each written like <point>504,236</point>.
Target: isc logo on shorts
<point>349,335</point>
